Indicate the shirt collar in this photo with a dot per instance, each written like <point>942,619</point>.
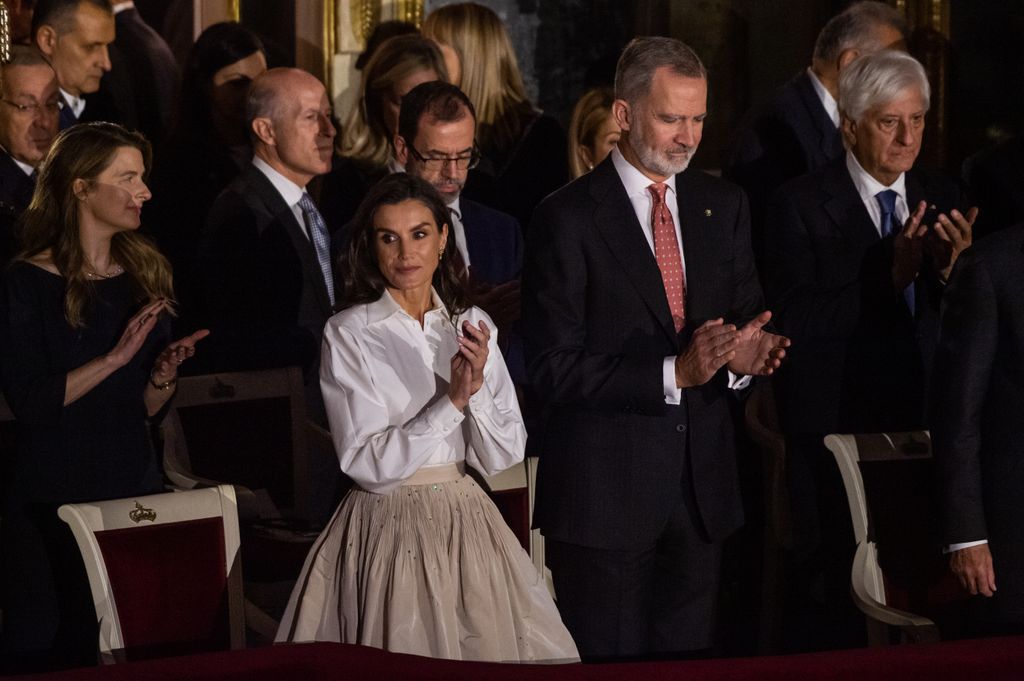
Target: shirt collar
<point>826,98</point>
<point>386,307</point>
<point>26,168</point>
<point>394,166</point>
<point>122,6</point>
<point>632,179</point>
<point>289,191</point>
<point>867,186</point>
<point>456,207</point>
<point>76,103</point>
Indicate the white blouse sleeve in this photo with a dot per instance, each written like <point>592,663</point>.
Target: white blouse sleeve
<point>497,436</point>
<point>377,455</point>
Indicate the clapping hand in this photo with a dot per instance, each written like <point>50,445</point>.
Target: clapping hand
<point>758,352</point>
<point>952,235</point>
<point>165,369</point>
<point>907,250</point>
<point>136,332</point>
<point>468,363</point>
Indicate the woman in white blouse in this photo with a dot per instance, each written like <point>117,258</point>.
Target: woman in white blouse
<point>417,559</point>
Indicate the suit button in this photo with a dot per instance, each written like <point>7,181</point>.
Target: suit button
<point>681,428</point>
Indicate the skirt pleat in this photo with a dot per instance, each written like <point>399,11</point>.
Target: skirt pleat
<point>429,569</point>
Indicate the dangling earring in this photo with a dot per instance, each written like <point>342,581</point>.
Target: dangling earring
<point>440,254</point>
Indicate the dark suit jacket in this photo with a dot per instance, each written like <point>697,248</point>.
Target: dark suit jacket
<point>495,243</point>
<point>265,299</point>
<point>15,194</point>
<point>995,183</point>
<point>858,358</point>
<point>617,459</point>
<point>978,402</point>
<point>791,137</point>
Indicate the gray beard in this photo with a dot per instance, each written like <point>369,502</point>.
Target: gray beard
<point>659,164</point>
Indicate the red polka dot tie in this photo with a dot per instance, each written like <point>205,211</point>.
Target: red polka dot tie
<point>666,252</point>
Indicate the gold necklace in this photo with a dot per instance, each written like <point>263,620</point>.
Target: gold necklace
<point>112,272</point>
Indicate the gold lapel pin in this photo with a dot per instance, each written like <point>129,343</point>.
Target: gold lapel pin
<point>707,212</point>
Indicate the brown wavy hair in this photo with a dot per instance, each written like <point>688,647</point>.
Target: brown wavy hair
<point>51,221</point>
<point>364,282</point>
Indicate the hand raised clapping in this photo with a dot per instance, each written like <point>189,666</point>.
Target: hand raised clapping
<point>468,363</point>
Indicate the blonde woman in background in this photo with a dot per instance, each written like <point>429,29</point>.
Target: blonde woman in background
<point>524,150</point>
<point>398,65</point>
<point>593,132</point>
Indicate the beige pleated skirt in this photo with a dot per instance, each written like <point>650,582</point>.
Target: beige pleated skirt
<point>429,569</point>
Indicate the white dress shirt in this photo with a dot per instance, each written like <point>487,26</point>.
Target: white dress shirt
<point>289,191</point>
<point>385,386</point>
<point>825,97</point>
<point>637,187</point>
<point>868,188</point>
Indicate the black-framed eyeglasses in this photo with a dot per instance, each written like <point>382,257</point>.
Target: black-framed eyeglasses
<point>35,109</point>
<point>439,162</point>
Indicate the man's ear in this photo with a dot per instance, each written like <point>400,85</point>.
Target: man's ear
<point>622,113</point>
<point>401,151</point>
<point>845,57</point>
<point>848,128</point>
<point>46,39</point>
<point>264,130</point>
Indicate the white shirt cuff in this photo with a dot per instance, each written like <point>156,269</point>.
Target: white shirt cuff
<point>443,416</point>
<point>737,382</point>
<point>673,395</point>
<point>963,545</point>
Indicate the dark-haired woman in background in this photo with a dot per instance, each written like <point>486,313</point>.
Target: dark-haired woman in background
<point>207,147</point>
<point>417,559</point>
<point>86,360</point>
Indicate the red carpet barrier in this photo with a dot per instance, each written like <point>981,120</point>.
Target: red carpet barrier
<point>992,659</point>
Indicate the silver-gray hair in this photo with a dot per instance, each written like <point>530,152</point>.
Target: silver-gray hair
<point>876,79</point>
<point>854,29</point>
<point>643,56</point>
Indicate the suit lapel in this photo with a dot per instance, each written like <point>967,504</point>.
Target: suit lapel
<point>304,248</point>
<point>617,224</point>
<point>844,206</point>
<point>693,228</point>
<point>829,140</point>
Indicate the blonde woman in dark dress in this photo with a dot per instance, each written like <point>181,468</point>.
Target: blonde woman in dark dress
<point>86,362</point>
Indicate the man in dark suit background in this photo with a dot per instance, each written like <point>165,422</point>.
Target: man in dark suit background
<point>798,132</point>
<point>269,286</point>
<point>978,398</point>
<point>640,297</point>
<point>856,256</point>
<point>143,79</point>
<point>74,35</point>
<point>29,107</point>
<point>436,141</point>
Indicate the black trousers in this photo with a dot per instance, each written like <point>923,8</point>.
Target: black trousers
<point>658,600</point>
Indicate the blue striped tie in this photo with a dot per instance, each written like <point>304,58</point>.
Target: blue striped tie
<point>321,241</point>
<point>890,225</point>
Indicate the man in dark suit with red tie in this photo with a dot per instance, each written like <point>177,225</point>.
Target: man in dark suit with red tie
<point>641,308</point>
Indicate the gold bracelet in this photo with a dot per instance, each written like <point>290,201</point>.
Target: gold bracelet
<point>162,386</point>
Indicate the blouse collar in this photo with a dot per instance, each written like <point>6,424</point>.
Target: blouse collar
<point>386,307</point>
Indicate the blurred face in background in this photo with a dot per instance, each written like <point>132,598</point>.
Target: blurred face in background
<point>604,139</point>
<point>229,86</point>
<point>30,112</point>
<point>393,100</point>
